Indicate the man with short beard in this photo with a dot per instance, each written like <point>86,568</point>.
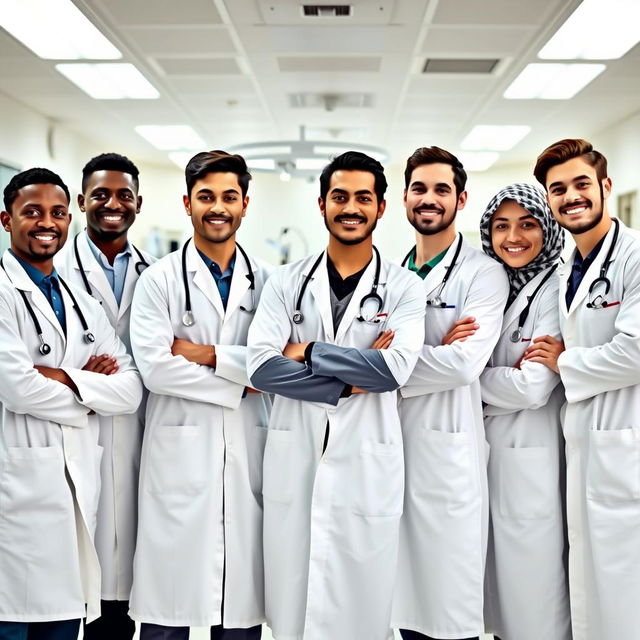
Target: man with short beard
<point>333,472</point>
<point>103,262</point>
<point>443,530</point>
<point>599,368</point>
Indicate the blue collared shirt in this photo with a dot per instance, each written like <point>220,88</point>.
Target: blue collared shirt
<point>223,280</point>
<point>50,287</point>
<point>115,273</point>
<point>578,269</point>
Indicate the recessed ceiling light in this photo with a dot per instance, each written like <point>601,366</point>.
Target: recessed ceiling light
<point>596,32</point>
<point>552,81</point>
<point>485,137</point>
<point>478,160</point>
<point>109,80</point>
<point>55,30</point>
<point>171,137</point>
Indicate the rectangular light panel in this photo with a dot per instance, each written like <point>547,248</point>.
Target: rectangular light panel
<point>478,160</point>
<point>55,30</point>
<point>484,137</point>
<point>109,80</point>
<point>171,137</point>
<point>552,81</point>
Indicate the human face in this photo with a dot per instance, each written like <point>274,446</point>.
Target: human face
<point>516,236</point>
<point>351,210</point>
<point>431,200</point>
<point>38,222</point>
<point>111,203</point>
<point>576,196</point>
<point>216,207</point>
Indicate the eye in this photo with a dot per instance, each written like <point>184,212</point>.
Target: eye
<point>31,213</point>
<point>501,226</point>
<point>365,199</point>
<point>59,213</point>
<point>337,197</point>
<point>204,197</point>
<point>231,198</point>
<point>100,195</point>
<point>127,195</point>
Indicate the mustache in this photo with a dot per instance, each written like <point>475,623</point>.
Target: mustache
<point>349,216</point>
<point>215,216</point>
<point>579,203</point>
<point>38,232</point>
<point>428,209</point>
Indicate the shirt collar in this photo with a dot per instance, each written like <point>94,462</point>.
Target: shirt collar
<point>36,276</point>
<point>584,264</point>
<point>427,266</point>
<point>102,259</point>
<point>214,267</point>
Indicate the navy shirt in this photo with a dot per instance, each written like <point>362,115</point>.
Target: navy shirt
<point>579,268</point>
<point>223,280</point>
<point>50,287</point>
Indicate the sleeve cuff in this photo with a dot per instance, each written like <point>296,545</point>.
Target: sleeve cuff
<point>307,354</point>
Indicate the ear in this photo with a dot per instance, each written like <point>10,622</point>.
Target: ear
<point>323,209</point>
<point>404,197</point>
<point>81,202</point>
<point>381,207</point>
<point>462,200</point>
<point>5,218</point>
<point>187,204</point>
<point>606,187</point>
<point>245,204</point>
<point>138,204</point>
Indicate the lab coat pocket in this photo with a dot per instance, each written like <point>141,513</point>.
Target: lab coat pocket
<point>526,483</point>
<point>613,465</point>
<point>378,481</point>
<point>442,466</point>
<point>276,470</point>
<point>178,460</point>
<point>256,458</point>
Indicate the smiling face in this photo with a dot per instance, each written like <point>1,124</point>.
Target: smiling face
<point>576,196</point>
<point>351,209</point>
<point>516,236</point>
<point>38,223</point>
<point>216,207</point>
<point>111,203</point>
<point>431,200</point>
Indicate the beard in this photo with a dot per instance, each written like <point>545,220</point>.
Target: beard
<point>348,240</point>
<point>587,225</point>
<point>431,227</point>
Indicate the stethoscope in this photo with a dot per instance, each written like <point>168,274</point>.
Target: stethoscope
<point>140,265</point>
<point>437,300</point>
<point>45,348</point>
<point>298,316</point>
<point>516,335</point>
<point>188,319</point>
<point>598,301</point>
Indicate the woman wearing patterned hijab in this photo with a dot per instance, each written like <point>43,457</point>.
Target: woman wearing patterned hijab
<point>526,594</point>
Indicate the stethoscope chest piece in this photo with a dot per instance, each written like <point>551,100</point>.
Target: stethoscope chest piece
<point>44,348</point>
<point>89,338</point>
<point>188,320</point>
<point>516,336</point>
<point>298,317</point>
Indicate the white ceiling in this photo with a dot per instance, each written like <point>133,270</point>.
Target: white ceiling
<point>243,71</point>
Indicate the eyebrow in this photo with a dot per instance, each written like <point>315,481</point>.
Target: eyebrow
<point>440,185</point>
<point>358,193</point>
<point>525,217</point>
<point>583,177</point>
<point>205,190</point>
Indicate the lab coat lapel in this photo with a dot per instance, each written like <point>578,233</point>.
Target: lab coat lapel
<point>564,271</point>
<point>434,278</point>
<point>203,279</point>
<point>130,281</point>
<point>239,285</point>
<point>517,306</point>
<point>319,289</point>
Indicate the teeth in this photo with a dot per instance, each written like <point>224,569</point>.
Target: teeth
<point>44,238</point>
<point>576,210</point>
<point>113,218</point>
<point>515,249</point>
<point>216,221</point>
<point>351,222</point>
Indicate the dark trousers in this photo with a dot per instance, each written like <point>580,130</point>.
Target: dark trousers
<point>414,635</point>
<point>114,622</point>
<point>160,632</point>
<point>58,630</point>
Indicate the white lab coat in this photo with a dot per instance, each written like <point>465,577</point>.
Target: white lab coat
<point>443,530</point>
<point>600,370</point>
<point>331,520</point>
<point>200,508</point>
<point>120,435</point>
<point>526,594</point>
<point>49,452</point>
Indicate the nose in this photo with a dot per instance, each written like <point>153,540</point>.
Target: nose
<point>572,194</point>
<point>351,206</point>
<point>513,235</point>
<point>113,202</point>
<point>217,206</point>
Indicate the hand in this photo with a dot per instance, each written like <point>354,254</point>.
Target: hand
<point>546,350</point>
<point>461,330</point>
<point>252,390</point>
<point>384,340</point>
<point>357,390</point>
<point>56,374</point>
<point>101,364</point>
<point>204,354</point>
<point>295,351</point>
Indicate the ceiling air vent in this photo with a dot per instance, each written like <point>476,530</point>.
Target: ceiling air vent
<point>326,10</point>
<point>460,65</point>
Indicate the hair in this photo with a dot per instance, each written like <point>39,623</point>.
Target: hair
<point>110,162</point>
<point>217,162</point>
<point>567,149</point>
<point>37,175</point>
<point>433,155</point>
<point>354,161</point>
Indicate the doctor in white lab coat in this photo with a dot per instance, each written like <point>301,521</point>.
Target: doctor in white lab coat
<point>333,463</point>
<point>526,594</point>
<point>62,367</point>
<point>198,559</point>
<point>599,367</point>
<point>101,261</point>
<point>443,531</point>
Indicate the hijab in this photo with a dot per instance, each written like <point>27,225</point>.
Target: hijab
<point>534,201</point>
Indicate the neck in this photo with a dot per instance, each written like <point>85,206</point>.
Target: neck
<point>110,248</point>
<point>46,266</point>
<point>220,252</point>
<point>585,242</point>
<point>428,247</point>
<point>349,259</point>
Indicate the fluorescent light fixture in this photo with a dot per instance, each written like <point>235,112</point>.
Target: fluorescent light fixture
<point>109,80</point>
<point>180,158</point>
<point>311,164</point>
<point>55,30</point>
<point>552,81</point>
<point>488,137</point>
<point>171,137</point>
<point>267,164</point>
<point>596,32</point>
<point>478,160</point>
